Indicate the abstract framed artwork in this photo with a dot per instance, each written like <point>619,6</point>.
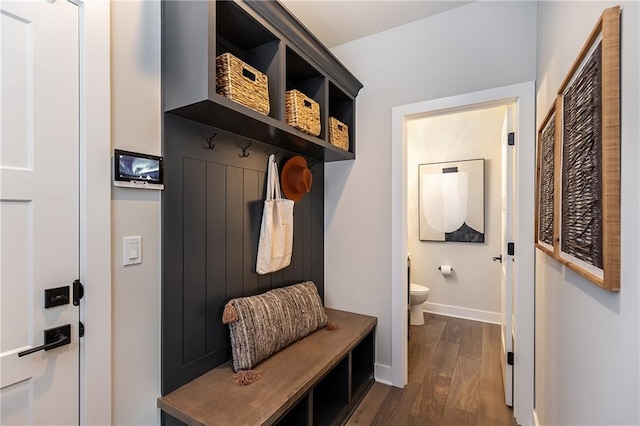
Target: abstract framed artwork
<point>545,229</point>
<point>587,167</point>
<point>451,201</point>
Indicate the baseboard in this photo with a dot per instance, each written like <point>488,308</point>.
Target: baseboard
<point>383,374</point>
<point>535,418</point>
<point>466,313</point>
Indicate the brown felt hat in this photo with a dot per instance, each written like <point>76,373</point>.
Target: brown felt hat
<point>296,178</point>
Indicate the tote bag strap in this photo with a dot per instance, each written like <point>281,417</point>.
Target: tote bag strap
<point>273,181</point>
<point>276,180</point>
<point>269,195</point>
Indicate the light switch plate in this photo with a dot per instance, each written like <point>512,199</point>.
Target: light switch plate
<point>131,250</point>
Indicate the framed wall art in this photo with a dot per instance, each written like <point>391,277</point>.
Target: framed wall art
<point>451,201</point>
<point>545,231</point>
<point>587,177</point>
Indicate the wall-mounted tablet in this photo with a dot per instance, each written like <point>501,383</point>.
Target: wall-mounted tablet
<point>136,170</point>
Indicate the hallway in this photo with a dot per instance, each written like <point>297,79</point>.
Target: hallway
<point>454,379</point>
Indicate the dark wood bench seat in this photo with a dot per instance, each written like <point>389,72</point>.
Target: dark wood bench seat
<point>317,380</point>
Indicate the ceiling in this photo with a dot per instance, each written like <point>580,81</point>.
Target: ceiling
<point>335,22</point>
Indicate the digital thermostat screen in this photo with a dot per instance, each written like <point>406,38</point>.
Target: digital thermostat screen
<point>137,170</point>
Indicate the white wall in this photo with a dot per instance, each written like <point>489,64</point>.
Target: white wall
<point>475,283</point>
<point>478,46</point>
<point>587,350</point>
<point>135,126</point>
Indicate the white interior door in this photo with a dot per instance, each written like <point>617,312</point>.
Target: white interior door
<point>507,278</point>
<point>39,209</point>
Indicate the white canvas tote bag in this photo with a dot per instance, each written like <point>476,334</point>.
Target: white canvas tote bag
<point>276,233</point>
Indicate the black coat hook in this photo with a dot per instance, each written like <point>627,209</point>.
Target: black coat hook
<point>210,144</point>
<point>244,151</point>
<point>274,153</point>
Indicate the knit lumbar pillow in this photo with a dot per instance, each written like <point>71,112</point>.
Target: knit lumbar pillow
<point>262,325</point>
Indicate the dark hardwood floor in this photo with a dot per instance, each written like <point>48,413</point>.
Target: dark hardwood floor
<point>454,379</point>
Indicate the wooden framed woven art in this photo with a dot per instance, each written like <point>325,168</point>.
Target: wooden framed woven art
<point>545,190</point>
<point>587,162</point>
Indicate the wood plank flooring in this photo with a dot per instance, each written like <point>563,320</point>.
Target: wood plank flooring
<point>454,379</point>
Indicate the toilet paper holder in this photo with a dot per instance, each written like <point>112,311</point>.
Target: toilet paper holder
<point>440,268</point>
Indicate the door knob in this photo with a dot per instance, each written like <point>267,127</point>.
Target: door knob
<point>498,258</point>
<point>53,338</point>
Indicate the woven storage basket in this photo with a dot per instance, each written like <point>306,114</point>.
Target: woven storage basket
<point>302,112</point>
<point>242,83</point>
<point>338,134</point>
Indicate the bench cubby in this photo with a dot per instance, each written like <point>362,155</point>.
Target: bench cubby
<point>331,394</point>
<point>299,413</point>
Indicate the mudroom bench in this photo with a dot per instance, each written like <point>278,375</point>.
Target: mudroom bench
<point>318,380</point>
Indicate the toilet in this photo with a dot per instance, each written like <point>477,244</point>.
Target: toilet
<point>418,294</point>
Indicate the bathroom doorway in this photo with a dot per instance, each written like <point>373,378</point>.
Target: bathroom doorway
<point>460,216</point>
<point>519,99</point>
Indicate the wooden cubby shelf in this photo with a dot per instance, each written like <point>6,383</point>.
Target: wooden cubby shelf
<point>267,37</point>
<point>306,79</point>
<point>242,36</point>
<point>341,107</point>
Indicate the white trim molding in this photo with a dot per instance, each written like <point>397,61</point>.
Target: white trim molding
<point>382,374</point>
<point>465,313</point>
<point>523,97</point>
<point>95,211</point>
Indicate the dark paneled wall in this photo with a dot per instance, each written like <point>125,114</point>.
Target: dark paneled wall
<point>211,214</point>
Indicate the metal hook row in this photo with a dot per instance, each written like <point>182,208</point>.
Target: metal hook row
<point>245,153</point>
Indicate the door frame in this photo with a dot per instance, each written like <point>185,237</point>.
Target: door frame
<point>95,210</point>
<point>506,263</point>
<point>523,97</point>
